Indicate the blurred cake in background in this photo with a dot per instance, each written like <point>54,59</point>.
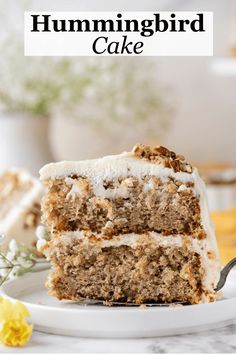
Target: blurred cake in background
<point>221,185</point>
<point>20,196</point>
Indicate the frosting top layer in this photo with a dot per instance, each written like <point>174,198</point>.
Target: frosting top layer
<point>143,160</point>
<point>114,166</point>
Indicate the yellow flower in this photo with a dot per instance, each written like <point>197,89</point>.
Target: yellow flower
<point>14,328</point>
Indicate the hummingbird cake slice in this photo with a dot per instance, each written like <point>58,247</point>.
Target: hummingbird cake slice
<point>133,227</point>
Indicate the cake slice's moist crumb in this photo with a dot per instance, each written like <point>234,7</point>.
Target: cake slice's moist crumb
<point>122,206</point>
<point>147,273</point>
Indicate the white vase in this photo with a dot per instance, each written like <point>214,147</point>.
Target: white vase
<point>23,142</point>
<point>73,139</point>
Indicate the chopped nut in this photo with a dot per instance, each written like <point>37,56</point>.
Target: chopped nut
<point>130,182</point>
<point>178,183</point>
<point>175,165</point>
<point>188,168</point>
<point>161,155</point>
<point>162,150</point>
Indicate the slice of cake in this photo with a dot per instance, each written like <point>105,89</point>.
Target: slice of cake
<point>20,197</point>
<point>132,228</point>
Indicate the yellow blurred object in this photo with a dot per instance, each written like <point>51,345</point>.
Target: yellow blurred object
<point>225,223</point>
<point>15,330</point>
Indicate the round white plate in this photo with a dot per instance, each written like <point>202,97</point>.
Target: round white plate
<point>53,316</point>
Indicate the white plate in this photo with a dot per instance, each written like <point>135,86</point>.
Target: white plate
<point>52,316</point>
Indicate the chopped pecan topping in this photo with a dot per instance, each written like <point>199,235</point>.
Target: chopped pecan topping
<point>161,155</point>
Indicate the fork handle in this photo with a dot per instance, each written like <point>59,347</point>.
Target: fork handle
<point>224,273</point>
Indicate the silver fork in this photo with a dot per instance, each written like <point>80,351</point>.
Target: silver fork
<point>224,273</point>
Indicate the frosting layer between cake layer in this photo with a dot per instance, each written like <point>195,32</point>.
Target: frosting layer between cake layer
<point>124,165</point>
<point>203,248</point>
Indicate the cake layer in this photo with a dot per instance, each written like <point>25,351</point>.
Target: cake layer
<point>148,189</point>
<point>121,206</point>
<point>132,268</point>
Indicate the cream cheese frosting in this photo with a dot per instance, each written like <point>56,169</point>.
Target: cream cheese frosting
<point>113,166</point>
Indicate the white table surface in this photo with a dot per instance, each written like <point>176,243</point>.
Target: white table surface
<point>214,341</point>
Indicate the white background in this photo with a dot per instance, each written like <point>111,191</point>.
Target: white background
<point>204,125</point>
